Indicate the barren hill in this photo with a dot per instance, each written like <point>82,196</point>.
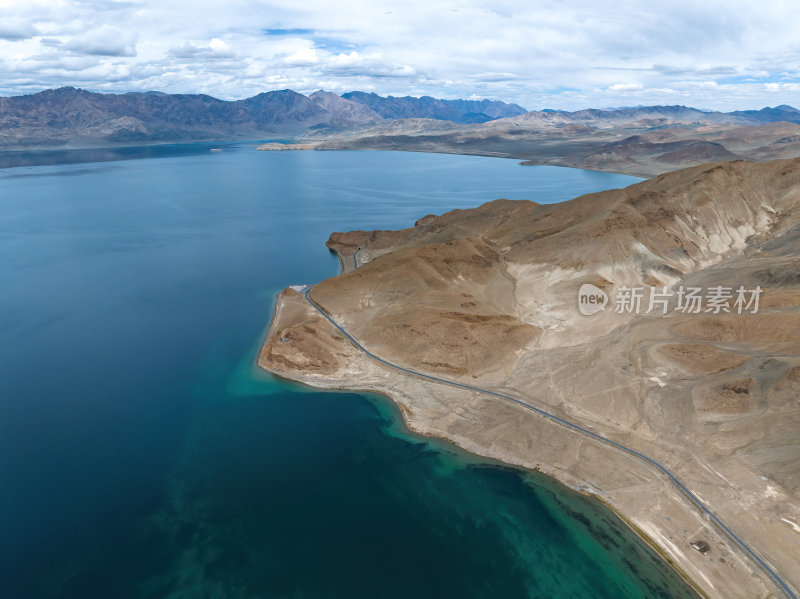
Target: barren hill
<point>489,296</point>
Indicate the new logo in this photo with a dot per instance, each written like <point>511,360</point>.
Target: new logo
<point>591,299</point>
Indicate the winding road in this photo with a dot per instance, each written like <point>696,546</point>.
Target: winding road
<point>572,426</point>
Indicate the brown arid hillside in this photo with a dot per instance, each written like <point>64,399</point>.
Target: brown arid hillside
<point>490,297</point>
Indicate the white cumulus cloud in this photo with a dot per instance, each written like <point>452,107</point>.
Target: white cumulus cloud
<point>104,41</point>
<point>570,54</point>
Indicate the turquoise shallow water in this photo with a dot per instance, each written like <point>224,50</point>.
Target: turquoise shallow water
<point>143,455</point>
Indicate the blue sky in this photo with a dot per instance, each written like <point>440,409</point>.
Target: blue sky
<point>570,54</point>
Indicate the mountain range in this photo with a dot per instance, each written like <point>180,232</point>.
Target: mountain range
<point>458,111</point>
<point>76,117</point>
<point>70,117</point>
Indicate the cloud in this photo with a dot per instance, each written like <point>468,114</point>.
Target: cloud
<point>571,54</point>
<point>496,77</point>
<point>17,29</point>
<point>688,71</point>
<point>304,57</point>
<point>104,41</point>
<point>216,49</point>
<point>618,87</point>
<point>782,87</point>
<point>370,65</point>
<point>50,41</point>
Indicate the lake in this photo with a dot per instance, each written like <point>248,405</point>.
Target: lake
<point>142,454</point>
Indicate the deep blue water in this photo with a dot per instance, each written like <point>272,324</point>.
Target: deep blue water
<point>143,455</point>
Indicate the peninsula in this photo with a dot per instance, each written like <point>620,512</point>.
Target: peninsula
<point>471,322</point>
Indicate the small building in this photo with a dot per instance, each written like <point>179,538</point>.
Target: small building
<point>701,547</point>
